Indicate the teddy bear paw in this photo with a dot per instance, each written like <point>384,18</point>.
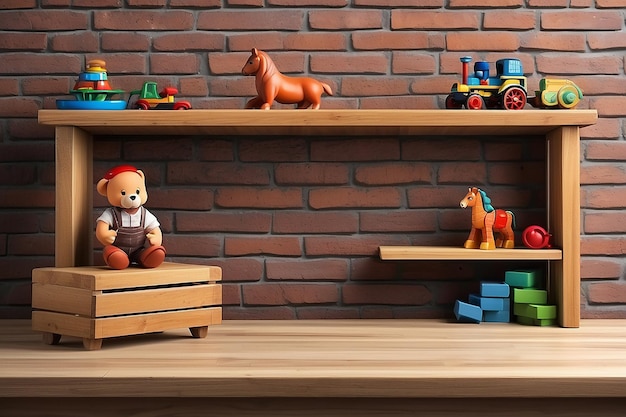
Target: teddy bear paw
<point>115,258</point>
<point>152,256</point>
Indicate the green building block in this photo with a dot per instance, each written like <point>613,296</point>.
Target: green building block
<point>535,311</point>
<point>534,322</point>
<point>522,279</point>
<point>530,296</point>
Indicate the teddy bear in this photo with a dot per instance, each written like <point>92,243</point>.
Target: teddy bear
<point>129,232</point>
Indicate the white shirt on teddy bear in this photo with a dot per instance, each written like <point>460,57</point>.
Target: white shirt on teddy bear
<point>130,220</point>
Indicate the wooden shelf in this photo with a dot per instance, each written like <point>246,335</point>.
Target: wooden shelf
<point>317,122</point>
<point>425,253</point>
<point>75,130</point>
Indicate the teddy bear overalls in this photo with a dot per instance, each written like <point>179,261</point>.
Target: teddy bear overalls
<point>129,239</point>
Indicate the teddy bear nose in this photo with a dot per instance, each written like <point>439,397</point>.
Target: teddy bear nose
<point>132,197</point>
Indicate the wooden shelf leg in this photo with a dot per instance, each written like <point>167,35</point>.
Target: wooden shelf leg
<point>199,332</point>
<point>92,344</point>
<point>51,338</point>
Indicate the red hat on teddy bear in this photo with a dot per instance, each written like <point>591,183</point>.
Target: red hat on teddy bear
<point>118,170</point>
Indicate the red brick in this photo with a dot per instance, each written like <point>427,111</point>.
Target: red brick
<point>311,173</point>
<point>180,198</point>
<point>314,42</point>
<point>48,20</point>
<point>287,294</point>
<point>386,294</point>
<point>303,3</point>
<point>485,3</point>
<point>603,197</point>
<point>344,197</point>
<point>503,151</point>
<point>569,42</point>
<point>46,85</point>
<point>125,41</point>
<point>582,20</point>
<point>314,222</point>
<point>393,173</point>
<point>246,222</point>
<point>279,150</point>
<point>272,19</point>
<point>412,63</point>
<point>515,173</point>
<point>374,86</point>
<point>462,172</point>
<point>231,294</point>
<point>601,41</point>
<point>249,3</point>
<point>188,41</point>
<point>432,85</point>
<point>9,87</point>
<point>233,88</point>
<point>18,4</point>
<point>194,86</point>
<point>192,245</point>
<point>420,19</point>
<point>435,197</point>
<point>603,129</point>
<point>30,129</point>
<point>384,40</point>
<point>216,173</point>
<point>353,63</point>
<point>23,41</point>
<point>15,267</point>
<point>25,63</point>
<point>399,221</point>
<point>245,41</point>
<point>610,3</point>
<point>146,3</point>
<point>252,245</point>
<point>142,20</point>
<point>579,64</point>
<point>125,63</point>
<point>355,150</point>
<point>581,3</point>
<point>605,151</point>
<point>31,244</point>
<point>548,3</point>
<point>19,222</point>
<point>345,19</point>
<point>259,313</point>
<point>326,313</point>
<point>75,42</point>
<point>606,292</point>
<point>400,3</point>
<point>240,269</point>
<point>27,152</point>
<point>610,106</point>
<point>362,245</point>
<point>17,174</point>
<point>91,4</point>
<point>509,20</point>
<point>317,269</point>
<point>605,222</point>
<point>174,64</point>
<point>19,107</point>
<point>604,246</point>
<point>215,150</point>
<point>482,41</point>
<point>26,198</point>
<point>446,150</point>
<point>604,268</point>
<point>205,4</point>
<point>232,63</point>
<point>248,197</point>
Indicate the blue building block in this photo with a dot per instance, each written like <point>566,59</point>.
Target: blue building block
<point>522,279</point>
<point>467,312</point>
<point>502,316</point>
<point>494,289</point>
<point>488,303</point>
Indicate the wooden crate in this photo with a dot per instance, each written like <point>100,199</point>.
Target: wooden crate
<point>95,303</point>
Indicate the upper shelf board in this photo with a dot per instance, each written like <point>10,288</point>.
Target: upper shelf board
<point>318,122</point>
<point>427,253</point>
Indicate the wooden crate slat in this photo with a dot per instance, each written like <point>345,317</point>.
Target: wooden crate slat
<point>158,299</point>
<point>62,299</point>
<point>61,323</point>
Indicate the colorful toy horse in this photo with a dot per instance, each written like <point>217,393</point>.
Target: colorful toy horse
<point>272,85</point>
<point>486,220</point>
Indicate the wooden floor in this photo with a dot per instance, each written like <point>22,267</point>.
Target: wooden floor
<point>329,368</point>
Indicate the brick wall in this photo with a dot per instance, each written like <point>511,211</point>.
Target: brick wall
<point>295,222</point>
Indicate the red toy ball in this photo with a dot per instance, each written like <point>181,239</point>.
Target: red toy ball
<point>536,237</point>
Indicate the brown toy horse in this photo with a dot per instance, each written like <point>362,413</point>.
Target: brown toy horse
<point>272,85</point>
<point>486,220</point>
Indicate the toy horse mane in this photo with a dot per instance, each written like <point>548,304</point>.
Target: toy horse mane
<point>267,68</point>
<point>486,201</point>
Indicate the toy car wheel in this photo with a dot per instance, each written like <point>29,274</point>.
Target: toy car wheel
<point>142,105</point>
<point>567,97</point>
<point>514,98</point>
<point>451,103</point>
<point>182,106</point>
<point>474,102</point>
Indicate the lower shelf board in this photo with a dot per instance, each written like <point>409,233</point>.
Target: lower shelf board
<point>426,253</point>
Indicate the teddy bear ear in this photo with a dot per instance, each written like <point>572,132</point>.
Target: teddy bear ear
<point>141,174</point>
<point>102,187</point>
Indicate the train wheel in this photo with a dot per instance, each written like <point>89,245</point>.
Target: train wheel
<point>514,98</point>
<point>142,105</point>
<point>451,103</point>
<point>567,97</point>
<point>474,102</point>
